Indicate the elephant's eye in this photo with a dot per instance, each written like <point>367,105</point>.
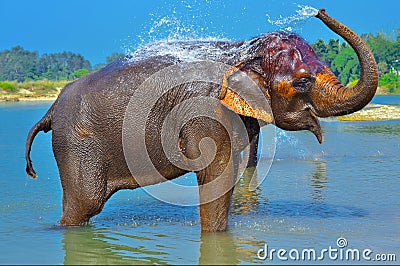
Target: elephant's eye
<point>302,84</point>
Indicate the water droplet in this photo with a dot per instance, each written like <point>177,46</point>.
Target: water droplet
<point>287,23</point>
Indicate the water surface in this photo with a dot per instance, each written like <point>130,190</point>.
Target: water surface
<point>347,187</point>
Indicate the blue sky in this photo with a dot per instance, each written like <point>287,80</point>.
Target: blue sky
<point>98,28</point>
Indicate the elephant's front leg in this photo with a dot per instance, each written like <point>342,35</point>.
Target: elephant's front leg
<point>216,183</point>
<point>208,147</point>
<point>253,153</point>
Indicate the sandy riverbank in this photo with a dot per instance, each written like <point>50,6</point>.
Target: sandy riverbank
<point>28,99</point>
<point>27,96</point>
<point>374,112</point>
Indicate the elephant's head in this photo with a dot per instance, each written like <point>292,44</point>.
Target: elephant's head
<point>298,85</point>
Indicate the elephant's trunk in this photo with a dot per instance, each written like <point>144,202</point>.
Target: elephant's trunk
<point>330,97</point>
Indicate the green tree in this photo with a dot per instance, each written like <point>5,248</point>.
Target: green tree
<point>80,73</point>
<point>346,65</point>
<point>18,64</point>
<point>320,49</point>
<point>333,49</point>
<point>61,66</point>
<point>380,46</point>
<point>113,57</point>
<point>383,68</point>
<point>7,86</point>
<point>391,81</point>
<point>22,65</point>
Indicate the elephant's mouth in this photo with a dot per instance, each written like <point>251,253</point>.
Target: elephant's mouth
<point>303,120</point>
<point>315,127</point>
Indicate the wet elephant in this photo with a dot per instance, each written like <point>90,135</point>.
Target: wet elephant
<point>87,118</point>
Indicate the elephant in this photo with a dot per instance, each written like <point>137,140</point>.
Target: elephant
<point>87,118</point>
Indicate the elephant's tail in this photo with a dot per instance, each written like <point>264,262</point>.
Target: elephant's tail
<point>43,125</point>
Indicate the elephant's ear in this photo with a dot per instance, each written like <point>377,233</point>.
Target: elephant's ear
<point>242,92</point>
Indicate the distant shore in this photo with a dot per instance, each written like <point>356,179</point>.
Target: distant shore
<point>39,90</point>
<point>374,112</point>
<point>27,99</point>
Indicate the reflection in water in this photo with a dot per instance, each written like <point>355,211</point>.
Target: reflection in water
<point>387,128</point>
<point>218,248</point>
<point>223,248</point>
<point>78,242</point>
<point>245,200</point>
<point>319,180</point>
<point>88,245</point>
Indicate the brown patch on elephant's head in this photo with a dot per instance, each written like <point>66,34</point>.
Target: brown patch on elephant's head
<point>285,89</point>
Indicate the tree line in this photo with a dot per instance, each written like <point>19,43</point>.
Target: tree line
<point>21,65</point>
<point>342,59</point>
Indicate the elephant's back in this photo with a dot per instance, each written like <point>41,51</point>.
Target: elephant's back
<point>90,111</point>
<point>120,77</point>
<point>106,91</point>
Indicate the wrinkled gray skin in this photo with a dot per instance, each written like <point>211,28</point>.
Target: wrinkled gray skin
<point>86,120</point>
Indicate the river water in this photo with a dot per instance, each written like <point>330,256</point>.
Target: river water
<point>348,187</point>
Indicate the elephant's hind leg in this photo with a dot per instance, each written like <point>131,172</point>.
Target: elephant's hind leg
<point>84,188</point>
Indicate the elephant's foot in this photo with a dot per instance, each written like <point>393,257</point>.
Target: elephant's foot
<point>79,212</point>
<point>214,215</point>
<point>72,220</point>
<point>82,203</point>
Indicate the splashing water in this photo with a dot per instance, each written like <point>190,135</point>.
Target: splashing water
<point>286,24</point>
<point>174,27</point>
<point>182,42</point>
<point>189,49</point>
<point>171,36</point>
<point>181,33</point>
